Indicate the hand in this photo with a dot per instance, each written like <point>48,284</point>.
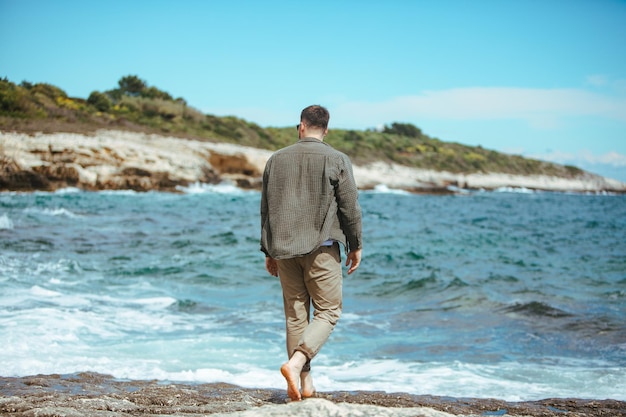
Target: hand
<point>353,260</point>
<point>272,266</point>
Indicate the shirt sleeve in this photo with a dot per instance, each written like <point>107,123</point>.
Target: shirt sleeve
<point>349,209</point>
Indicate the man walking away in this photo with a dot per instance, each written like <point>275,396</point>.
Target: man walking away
<point>309,207</point>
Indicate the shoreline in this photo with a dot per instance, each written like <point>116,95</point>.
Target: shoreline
<point>116,160</point>
<point>97,394</point>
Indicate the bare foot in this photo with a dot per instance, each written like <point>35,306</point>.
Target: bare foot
<point>306,381</point>
<point>292,381</point>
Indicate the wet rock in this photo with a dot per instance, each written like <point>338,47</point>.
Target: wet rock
<point>102,395</point>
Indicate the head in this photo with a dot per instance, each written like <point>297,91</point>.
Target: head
<point>314,122</point>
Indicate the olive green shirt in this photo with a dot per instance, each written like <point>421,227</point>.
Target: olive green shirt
<point>309,196</point>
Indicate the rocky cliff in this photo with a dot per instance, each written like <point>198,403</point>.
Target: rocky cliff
<point>121,160</point>
<point>126,160</point>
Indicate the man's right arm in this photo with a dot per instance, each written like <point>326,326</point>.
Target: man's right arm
<point>272,266</point>
<point>353,260</point>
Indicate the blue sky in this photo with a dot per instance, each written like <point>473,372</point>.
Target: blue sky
<point>544,79</point>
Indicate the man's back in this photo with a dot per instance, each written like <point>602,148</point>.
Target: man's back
<point>308,191</point>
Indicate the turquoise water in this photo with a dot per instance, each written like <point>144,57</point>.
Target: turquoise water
<point>518,296</point>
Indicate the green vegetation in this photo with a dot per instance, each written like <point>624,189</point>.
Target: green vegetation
<point>136,106</point>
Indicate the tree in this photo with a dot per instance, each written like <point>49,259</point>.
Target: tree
<point>404,129</point>
<point>132,85</point>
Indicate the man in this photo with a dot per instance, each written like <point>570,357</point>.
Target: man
<point>309,205</point>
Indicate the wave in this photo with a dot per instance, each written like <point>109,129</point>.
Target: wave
<point>155,302</point>
<point>60,191</point>
<point>536,308</point>
<point>5,223</point>
<point>395,288</point>
<point>42,292</point>
<point>54,212</point>
<point>203,188</point>
<point>518,190</point>
<point>68,190</point>
<point>384,189</point>
<point>119,192</point>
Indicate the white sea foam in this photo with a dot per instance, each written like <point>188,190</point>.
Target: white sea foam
<point>7,269</point>
<point>60,212</point>
<point>457,190</point>
<point>42,292</point>
<point>202,188</point>
<point>53,212</point>
<point>119,337</point>
<point>519,190</point>
<point>507,381</point>
<point>384,189</point>
<point>68,190</point>
<point>57,298</point>
<point>155,302</point>
<point>54,268</point>
<point>119,192</point>
<point>5,223</point>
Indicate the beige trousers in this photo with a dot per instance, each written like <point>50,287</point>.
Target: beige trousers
<point>314,279</point>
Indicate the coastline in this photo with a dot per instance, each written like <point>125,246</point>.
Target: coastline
<point>102,395</point>
<point>112,159</point>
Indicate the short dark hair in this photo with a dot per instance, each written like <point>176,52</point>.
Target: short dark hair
<point>315,116</point>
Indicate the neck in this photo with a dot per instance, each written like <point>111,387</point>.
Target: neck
<point>318,137</point>
<point>314,133</point>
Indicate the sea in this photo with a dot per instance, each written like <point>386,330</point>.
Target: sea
<point>508,294</point>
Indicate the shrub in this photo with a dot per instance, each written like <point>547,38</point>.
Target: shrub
<point>100,101</point>
<point>48,90</point>
<point>15,101</point>
<point>154,92</point>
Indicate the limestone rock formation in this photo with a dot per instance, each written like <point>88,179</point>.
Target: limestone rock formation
<point>126,160</point>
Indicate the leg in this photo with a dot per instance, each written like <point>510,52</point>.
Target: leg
<point>296,300</point>
<point>306,382</point>
<point>318,277</point>
<point>292,371</point>
<point>324,284</point>
<point>323,281</point>
<point>297,305</point>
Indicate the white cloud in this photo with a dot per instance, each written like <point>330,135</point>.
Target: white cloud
<point>603,81</point>
<point>598,80</point>
<point>555,156</point>
<point>583,157</point>
<point>611,164</point>
<point>541,108</point>
<point>610,158</point>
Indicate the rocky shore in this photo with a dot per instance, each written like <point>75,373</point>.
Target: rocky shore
<point>89,394</point>
<point>118,160</point>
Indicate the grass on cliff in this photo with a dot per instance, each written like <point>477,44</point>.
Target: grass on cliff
<point>135,106</point>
